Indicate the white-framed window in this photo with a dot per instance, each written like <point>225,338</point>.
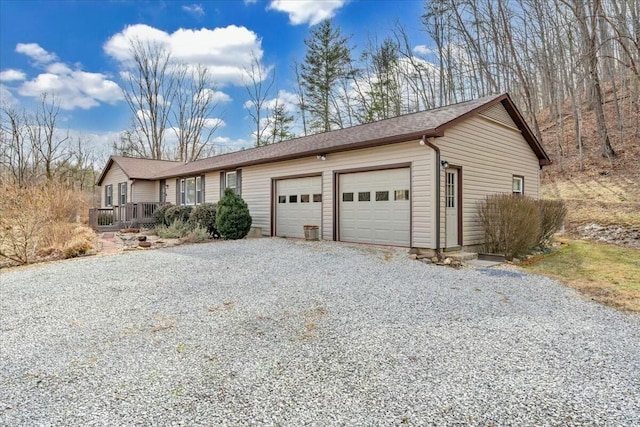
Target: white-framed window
<point>108,195</point>
<point>232,180</point>
<point>518,185</point>
<point>122,193</point>
<point>191,191</point>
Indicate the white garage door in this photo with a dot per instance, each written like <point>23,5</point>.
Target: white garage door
<point>298,203</point>
<point>375,207</point>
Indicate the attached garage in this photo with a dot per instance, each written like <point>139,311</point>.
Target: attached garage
<point>298,203</point>
<point>375,207</point>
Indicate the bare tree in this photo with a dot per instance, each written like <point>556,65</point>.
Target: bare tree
<point>258,85</point>
<point>149,92</point>
<point>17,155</point>
<point>46,138</point>
<point>193,110</point>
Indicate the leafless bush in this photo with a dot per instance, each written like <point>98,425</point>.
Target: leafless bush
<point>37,220</point>
<point>511,224</point>
<point>552,214</point>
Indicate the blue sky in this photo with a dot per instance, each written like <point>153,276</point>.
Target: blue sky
<point>74,49</point>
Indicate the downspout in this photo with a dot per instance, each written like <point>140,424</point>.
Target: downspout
<point>435,148</point>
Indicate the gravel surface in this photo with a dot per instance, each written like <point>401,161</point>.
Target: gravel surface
<point>284,332</point>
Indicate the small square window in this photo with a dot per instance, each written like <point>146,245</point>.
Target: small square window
<point>402,194</point>
<point>347,197</point>
<point>293,198</point>
<point>317,198</point>
<point>304,198</point>
<point>282,199</point>
<point>382,196</point>
<point>364,196</point>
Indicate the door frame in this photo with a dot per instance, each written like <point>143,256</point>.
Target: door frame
<point>458,201</point>
<point>274,193</point>
<point>336,194</point>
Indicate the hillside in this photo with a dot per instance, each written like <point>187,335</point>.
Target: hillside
<point>603,198</point>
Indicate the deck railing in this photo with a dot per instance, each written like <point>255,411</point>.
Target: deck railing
<point>127,215</point>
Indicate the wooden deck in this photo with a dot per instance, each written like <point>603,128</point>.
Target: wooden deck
<point>124,216</point>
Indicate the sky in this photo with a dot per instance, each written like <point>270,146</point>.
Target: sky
<point>77,50</point>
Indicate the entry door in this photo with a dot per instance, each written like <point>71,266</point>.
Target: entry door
<point>451,209</point>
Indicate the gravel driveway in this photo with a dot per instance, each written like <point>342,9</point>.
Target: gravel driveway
<point>282,332</point>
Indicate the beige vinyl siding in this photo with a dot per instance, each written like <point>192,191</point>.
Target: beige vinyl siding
<point>498,113</point>
<point>489,154</point>
<point>144,191</point>
<point>212,187</point>
<point>256,183</point>
<point>114,176</point>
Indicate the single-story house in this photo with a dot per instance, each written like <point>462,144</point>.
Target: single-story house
<point>412,180</point>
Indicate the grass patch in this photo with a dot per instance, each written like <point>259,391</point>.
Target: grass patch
<point>603,200</point>
<point>609,274</point>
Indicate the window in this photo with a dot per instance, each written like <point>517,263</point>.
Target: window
<point>304,198</point>
<point>317,198</point>
<point>293,198</point>
<point>108,195</point>
<point>282,199</point>
<point>401,195</point>
<point>191,191</point>
<point>364,196</point>
<point>451,190</point>
<point>232,180</point>
<point>122,193</point>
<point>382,196</point>
<point>518,185</point>
<point>347,197</point>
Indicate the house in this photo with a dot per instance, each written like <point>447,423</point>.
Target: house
<point>412,181</point>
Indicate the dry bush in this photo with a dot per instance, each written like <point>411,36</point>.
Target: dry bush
<point>36,220</point>
<point>552,214</point>
<point>81,242</point>
<point>511,224</point>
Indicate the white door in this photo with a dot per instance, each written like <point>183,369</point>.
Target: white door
<point>298,203</point>
<point>451,208</point>
<point>375,207</point>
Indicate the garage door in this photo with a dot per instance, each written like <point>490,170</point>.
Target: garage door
<point>298,203</point>
<point>375,207</point>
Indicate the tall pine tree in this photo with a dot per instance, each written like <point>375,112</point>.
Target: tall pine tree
<point>326,62</point>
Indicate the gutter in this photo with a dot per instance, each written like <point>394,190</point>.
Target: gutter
<point>426,142</point>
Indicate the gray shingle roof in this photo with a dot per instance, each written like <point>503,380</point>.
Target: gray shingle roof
<point>393,130</point>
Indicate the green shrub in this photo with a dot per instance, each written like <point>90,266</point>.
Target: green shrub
<point>552,214</point>
<point>204,216</point>
<point>511,224</point>
<point>175,230</point>
<point>174,213</point>
<point>160,215</point>
<point>233,220</point>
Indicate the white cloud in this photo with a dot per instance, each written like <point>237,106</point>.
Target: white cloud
<point>423,49</point>
<point>73,88</point>
<point>250,1</point>
<point>217,96</point>
<point>224,144</point>
<point>288,99</point>
<point>214,123</point>
<point>309,11</point>
<point>6,97</point>
<point>35,52</point>
<point>11,75</point>
<point>194,9</point>
<point>226,52</point>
